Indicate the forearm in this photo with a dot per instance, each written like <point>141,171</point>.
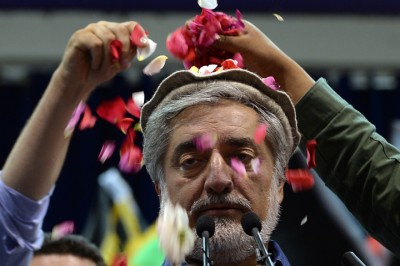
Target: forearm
<point>361,167</point>
<point>38,155</point>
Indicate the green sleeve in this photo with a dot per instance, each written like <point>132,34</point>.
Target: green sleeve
<point>358,164</point>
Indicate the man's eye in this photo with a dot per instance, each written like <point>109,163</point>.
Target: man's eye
<point>245,157</point>
<point>188,162</point>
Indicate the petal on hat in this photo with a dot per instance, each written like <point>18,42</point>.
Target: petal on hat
<point>270,82</point>
<point>209,4</point>
<point>155,65</point>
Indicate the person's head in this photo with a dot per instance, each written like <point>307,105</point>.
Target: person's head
<point>229,105</point>
<point>67,250</point>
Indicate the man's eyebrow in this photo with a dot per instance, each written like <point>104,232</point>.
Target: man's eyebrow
<point>239,142</point>
<point>182,147</point>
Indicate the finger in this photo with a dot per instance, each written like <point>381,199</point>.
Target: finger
<point>101,56</point>
<point>122,32</point>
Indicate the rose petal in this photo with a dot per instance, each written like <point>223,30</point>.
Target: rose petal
<point>205,141</point>
<point>209,4</point>
<point>133,108</point>
<point>270,82</point>
<point>73,121</point>
<point>112,110</point>
<point>88,120</point>
<point>310,147</point>
<point>255,165</point>
<point>120,260</point>
<point>63,229</point>
<point>124,124</point>
<point>115,50</point>
<point>144,52</point>
<point>131,160</point>
<point>260,133</point>
<point>300,179</point>
<point>278,17</point>
<point>138,98</point>
<point>155,65</point>
<point>238,166</point>
<point>106,151</point>
<point>138,36</point>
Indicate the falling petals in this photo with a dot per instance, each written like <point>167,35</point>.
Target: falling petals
<point>192,42</point>
<point>238,166</point>
<point>270,82</point>
<point>300,179</point>
<point>138,36</point>
<point>62,229</point>
<point>88,119</point>
<point>209,4</point>
<point>73,121</point>
<point>124,124</point>
<point>106,151</point>
<point>146,51</point>
<point>304,220</point>
<point>255,165</point>
<point>310,147</point>
<point>175,235</point>
<point>260,133</point>
<point>131,160</point>
<point>205,142</point>
<point>133,108</point>
<point>112,110</point>
<point>155,65</point>
<point>278,17</point>
<point>115,50</point>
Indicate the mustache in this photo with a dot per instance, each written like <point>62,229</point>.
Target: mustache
<point>229,199</point>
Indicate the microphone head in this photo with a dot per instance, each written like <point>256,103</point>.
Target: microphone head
<point>249,221</point>
<point>205,223</point>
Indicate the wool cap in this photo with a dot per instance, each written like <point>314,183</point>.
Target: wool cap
<point>182,83</point>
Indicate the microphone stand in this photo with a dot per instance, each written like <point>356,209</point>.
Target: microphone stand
<point>206,249</point>
<point>261,252</point>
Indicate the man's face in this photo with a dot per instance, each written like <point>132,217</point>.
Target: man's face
<point>193,176</point>
<point>60,260</point>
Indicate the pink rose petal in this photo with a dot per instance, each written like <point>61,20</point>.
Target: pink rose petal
<point>74,119</point>
<point>106,151</point>
<point>63,229</point>
<point>238,166</point>
<point>270,82</point>
<point>205,142</point>
<point>260,133</point>
<point>255,165</point>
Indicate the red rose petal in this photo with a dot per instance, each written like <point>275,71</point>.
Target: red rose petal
<point>300,179</point>
<point>112,110</point>
<point>115,50</point>
<point>310,147</point>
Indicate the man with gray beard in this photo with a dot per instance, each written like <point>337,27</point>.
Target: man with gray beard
<point>230,106</point>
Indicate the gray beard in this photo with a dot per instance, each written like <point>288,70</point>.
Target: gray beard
<point>230,244</point>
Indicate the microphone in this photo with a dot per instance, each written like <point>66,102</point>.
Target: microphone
<point>350,259</point>
<point>252,226</point>
<point>205,228</point>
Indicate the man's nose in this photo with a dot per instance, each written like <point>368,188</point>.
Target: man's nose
<point>219,179</point>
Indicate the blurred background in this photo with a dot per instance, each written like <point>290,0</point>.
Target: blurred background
<point>355,45</point>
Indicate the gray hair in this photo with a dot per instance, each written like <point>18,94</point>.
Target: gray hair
<point>159,124</point>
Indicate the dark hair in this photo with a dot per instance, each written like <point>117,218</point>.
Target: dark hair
<point>72,245</point>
